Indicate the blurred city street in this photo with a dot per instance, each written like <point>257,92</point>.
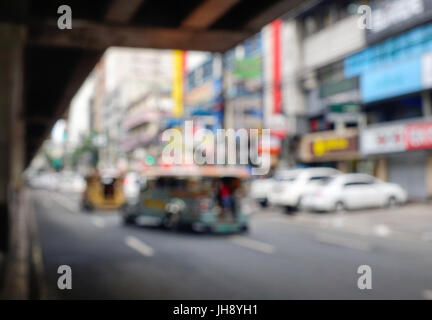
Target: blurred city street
<point>216,149</point>
<point>306,256</point>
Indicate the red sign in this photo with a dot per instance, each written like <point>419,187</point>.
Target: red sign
<point>277,77</point>
<point>418,136</point>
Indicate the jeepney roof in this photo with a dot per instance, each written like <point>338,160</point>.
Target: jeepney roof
<point>197,171</point>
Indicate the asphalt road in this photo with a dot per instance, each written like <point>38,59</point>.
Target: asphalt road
<point>279,258</point>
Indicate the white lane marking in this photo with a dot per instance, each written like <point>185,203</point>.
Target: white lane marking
<point>66,203</point>
<point>427,294</point>
<point>427,236</point>
<point>98,222</point>
<point>253,244</point>
<point>338,222</point>
<point>139,246</point>
<point>343,242</point>
<point>46,202</point>
<point>381,230</point>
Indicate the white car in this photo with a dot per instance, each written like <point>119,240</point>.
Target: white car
<point>290,189</point>
<point>259,190</point>
<point>132,184</point>
<point>261,187</point>
<point>45,180</point>
<point>70,182</point>
<point>354,191</point>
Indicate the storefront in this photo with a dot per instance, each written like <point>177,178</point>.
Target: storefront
<point>402,153</point>
<point>338,149</point>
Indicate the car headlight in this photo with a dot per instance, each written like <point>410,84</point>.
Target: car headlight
<point>132,201</point>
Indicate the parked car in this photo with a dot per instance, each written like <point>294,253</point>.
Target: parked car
<point>45,180</point>
<point>261,187</point>
<point>289,189</point>
<point>70,182</point>
<point>354,191</point>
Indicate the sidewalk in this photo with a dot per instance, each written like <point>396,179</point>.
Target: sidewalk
<point>22,274</point>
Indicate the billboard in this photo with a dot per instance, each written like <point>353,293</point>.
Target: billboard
<point>390,17</point>
<point>329,146</point>
<point>391,81</point>
<point>396,137</point>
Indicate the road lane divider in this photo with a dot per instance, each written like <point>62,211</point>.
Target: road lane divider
<point>139,246</point>
<point>382,230</point>
<point>46,202</point>
<point>98,222</point>
<point>66,203</point>
<point>427,294</point>
<point>253,244</point>
<point>343,242</point>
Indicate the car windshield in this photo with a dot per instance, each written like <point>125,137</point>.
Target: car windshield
<point>324,181</point>
<point>290,178</point>
<point>317,178</point>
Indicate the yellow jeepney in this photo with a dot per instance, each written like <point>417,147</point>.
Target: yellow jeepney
<point>104,191</point>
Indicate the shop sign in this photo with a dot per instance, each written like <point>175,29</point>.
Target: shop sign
<point>278,125</point>
<point>391,52</point>
<point>339,87</point>
<point>344,108</point>
<point>385,139</point>
<point>329,146</point>
<point>418,136</point>
<point>354,117</point>
<point>248,68</point>
<point>390,17</point>
<point>427,70</point>
<point>396,138</point>
<point>402,78</point>
<point>200,94</point>
<point>321,147</point>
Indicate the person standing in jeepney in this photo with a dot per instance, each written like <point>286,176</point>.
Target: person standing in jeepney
<point>225,197</point>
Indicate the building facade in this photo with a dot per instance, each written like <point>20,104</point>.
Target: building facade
<point>367,103</point>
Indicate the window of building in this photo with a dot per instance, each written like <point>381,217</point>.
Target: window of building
<point>327,14</point>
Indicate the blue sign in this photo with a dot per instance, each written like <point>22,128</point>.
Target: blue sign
<point>411,44</point>
<point>391,81</point>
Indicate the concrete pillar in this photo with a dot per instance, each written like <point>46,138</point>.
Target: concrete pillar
<point>429,177</point>
<point>342,166</point>
<point>427,104</point>
<point>381,171</point>
<point>11,120</point>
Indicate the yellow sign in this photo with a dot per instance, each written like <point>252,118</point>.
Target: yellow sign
<point>177,91</point>
<point>155,204</point>
<point>321,147</point>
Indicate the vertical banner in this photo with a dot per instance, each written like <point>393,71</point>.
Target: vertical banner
<point>179,57</point>
<point>276,48</point>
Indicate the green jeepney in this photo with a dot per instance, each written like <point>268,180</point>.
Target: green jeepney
<point>190,197</point>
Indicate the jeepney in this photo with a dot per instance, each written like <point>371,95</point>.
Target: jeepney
<point>190,197</point>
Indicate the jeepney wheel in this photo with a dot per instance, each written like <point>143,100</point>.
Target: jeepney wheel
<point>170,221</point>
<point>340,207</point>
<point>87,207</point>
<point>392,202</point>
<point>290,210</point>
<point>244,228</point>
<point>128,219</point>
<point>263,203</point>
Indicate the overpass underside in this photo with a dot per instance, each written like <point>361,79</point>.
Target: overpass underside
<point>42,66</point>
